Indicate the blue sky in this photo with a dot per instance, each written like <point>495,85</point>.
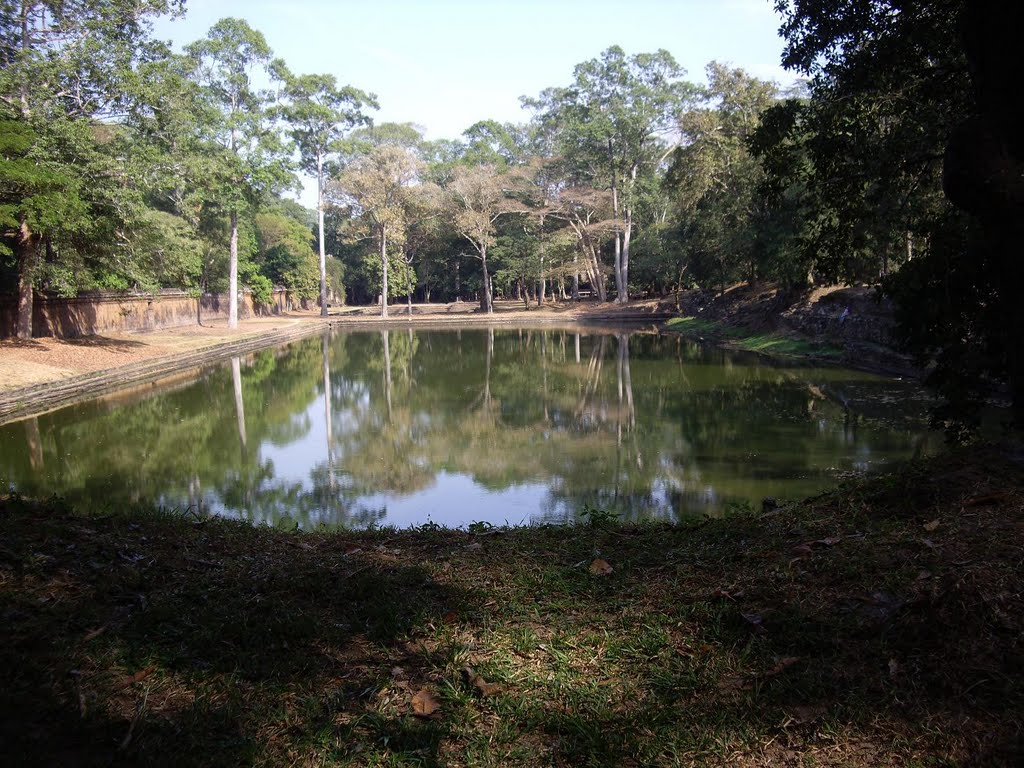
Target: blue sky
<point>445,64</point>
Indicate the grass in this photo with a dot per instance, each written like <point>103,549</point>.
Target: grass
<point>734,337</point>
<point>879,624</point>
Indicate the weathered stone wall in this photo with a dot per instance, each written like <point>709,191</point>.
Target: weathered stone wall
<point>96,313</point>
<point>848,315</point>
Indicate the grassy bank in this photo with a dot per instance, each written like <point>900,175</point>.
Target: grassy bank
<point>772,343</point>
<point>880,624</point>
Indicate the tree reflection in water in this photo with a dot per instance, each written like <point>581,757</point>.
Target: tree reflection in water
<point>502,425</point>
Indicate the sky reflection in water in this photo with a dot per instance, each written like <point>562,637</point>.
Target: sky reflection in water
<point>453,427</point>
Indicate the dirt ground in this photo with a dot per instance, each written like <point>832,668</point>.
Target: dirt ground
<point>41,360</point>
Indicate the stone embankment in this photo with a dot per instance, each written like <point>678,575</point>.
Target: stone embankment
<point>855,320</point>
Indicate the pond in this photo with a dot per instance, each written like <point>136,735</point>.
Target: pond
<point>499,426</point>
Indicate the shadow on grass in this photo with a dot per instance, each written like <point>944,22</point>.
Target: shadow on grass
<point>215,640</point>
<point>847,630</point>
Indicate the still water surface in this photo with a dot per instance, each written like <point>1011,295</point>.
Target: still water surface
<point>453,427</point>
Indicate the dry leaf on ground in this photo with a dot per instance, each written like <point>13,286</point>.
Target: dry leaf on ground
<point>424,704</point>
<point>485,689</point>
<point>600,567</point>
<point>781,666</point>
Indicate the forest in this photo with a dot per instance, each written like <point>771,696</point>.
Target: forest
<point>895,162</point>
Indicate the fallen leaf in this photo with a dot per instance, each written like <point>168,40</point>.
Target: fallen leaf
<point>600,567</point>
<point>450,618</point>
<point>932,526</point>
<point>94,634</point>
<point>485,689</point>
<point>138,677</point>
<point>724,594</point>
<point>828,541</point>
<point>755,621</point>
<point>802,550</point>
<point>424,704</point>
<point>782,665</point>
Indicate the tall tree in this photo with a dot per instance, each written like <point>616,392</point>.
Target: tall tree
<point>610,126</point>
<point>319,113</point>
<point>377,187</point>
<point>253,163</point>
<point>479,196</point>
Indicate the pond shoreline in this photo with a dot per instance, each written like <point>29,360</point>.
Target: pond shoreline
<point>140,358</point>
<point>877,624</point>
<point>31,383</point>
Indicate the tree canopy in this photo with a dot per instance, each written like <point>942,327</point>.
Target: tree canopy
<point>895,162</point>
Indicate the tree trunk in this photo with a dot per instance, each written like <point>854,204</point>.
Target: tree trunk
<point>619,287</point>
<point>384,267</point>
<point>233,274</point>
<point>623,290</point>
<point>486,302</point>
<point>408,283</point>
<point>575,278</point>
<point>627,233</point>
<point>27,249</point>
<point>320,225</point>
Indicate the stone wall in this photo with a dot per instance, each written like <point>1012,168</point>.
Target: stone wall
<point>89,314</point>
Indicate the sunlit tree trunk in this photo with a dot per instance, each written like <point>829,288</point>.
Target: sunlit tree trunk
<point>486,301</point>
<point>384,267</point>
<point>233,274</point>
<point>320,226</point>
<point>408,281</point>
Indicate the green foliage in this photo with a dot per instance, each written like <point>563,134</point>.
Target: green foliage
<point>598,518</point>
<point>714,177</point>
<point>908,106</point>
<point>285,254</point>
<point>400,273</point>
